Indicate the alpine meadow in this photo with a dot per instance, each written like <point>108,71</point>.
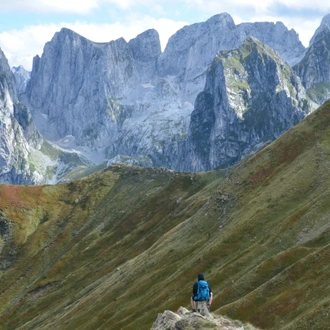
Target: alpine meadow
<point>111,250</point>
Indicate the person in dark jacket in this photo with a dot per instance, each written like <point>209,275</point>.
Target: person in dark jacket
<point>194,293</point>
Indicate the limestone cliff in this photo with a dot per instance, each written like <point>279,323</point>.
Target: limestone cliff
<point>128,98</point>
<point>25,156</point>
<point>250,98</point>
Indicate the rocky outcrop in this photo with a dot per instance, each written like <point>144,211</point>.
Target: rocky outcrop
<point>185,320</point>
<point>136,161</point>
<point>191,50</point>
<point>146,50</point>
<point>275,35</point>
<point>251,97</point>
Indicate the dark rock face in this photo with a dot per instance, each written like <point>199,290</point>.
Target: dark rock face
<point>251,97</point>
<point>314,69</point>
<point>18,132</point>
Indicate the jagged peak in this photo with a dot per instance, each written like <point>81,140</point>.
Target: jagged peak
<point>325,24</point>
<point>253,43</point>
<point>194,30</point>
<point>257,43</point>
<point>146,45</point>
<point>223,18</point>
<point>147,33</point>
<point>67,34</point>
<point>18,68</point>
<point>326,20</point>
<point>67,31</point>
<point>322,34</point>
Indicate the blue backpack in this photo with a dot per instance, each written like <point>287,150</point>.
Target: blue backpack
<point>203,291</point>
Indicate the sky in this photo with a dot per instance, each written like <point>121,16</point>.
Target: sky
<point>25,26</point>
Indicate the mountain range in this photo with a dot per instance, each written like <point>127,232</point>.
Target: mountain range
<point>217,93</point>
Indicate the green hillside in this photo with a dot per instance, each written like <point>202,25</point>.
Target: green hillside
<point>113,250</point>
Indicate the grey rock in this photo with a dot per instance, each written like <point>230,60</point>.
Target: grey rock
<point>146,50</point>
<point>82,103</point>
<point>25,157</point>
<point>18,132</point>
<point>314,68</point>
<point>250,98</point>
<point>275,35</point>
<point>191,50</point>
<point>136,161</point>
<point>325,24</point>
<point>185,320</point>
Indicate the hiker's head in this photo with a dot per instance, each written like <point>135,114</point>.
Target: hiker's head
<point>200,276</point>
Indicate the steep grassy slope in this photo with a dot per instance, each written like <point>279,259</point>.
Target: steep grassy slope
<point>114,249</point>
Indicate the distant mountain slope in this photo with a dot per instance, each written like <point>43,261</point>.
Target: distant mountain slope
<point>129,98</point>
<point>116,248</point>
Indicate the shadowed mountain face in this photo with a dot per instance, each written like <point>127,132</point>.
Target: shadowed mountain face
<point>250,98</point>
<point>118,247</point>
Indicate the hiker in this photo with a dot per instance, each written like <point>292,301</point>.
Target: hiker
<point>201,293</point>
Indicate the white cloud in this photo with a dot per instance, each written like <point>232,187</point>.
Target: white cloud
<point>57,6</point>
<point>72,6</point>
<point>20,46</point>
<point>258,6</point>
<point>231,6</point>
